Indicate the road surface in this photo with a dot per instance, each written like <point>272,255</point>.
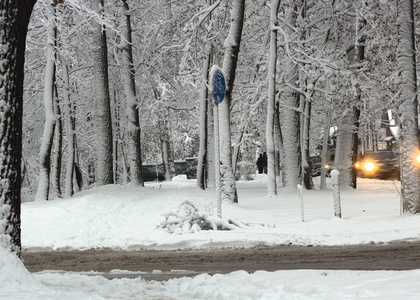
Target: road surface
<point>159,264</point>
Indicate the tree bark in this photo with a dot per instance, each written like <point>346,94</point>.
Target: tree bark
<point>271,102</point>
<point>408,111</point>
<point>13,28</point>
<point>132,105</point>
<point>202,153</point>
<point>43,190</point>
<point>70,130</point>
<point>58,147</point>
<point>103,122</point>
<point>232,44</point>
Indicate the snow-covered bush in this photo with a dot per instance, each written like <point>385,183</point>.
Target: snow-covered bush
<point>189,219</point>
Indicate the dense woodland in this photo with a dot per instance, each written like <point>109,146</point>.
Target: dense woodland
<point>111,85</point>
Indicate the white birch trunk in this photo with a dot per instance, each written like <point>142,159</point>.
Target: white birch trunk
<point>271,102</point>
<point>42,192</point>
<point>232,44</point>
<point>410,185</point>
<point>132,105</point>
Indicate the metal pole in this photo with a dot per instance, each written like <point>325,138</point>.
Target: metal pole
<point>218,207</point>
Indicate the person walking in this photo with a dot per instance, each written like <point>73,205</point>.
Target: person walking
<point>265,163</point>
<point>260,164</point>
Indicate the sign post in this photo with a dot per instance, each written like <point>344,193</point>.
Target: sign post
<point>218,88</point>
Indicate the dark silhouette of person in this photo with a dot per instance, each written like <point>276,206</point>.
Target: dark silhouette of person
<point>264,160</point>
<point>260,164</point>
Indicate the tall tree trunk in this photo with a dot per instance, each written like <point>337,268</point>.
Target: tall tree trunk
<point>271,101</point>
<point>132,105</point>
<point>279,144</point>
<point>43,190</point>
<point>325,139</point>
<point>291,126</point>
<point>203,153</point>
<point>306,124</point>
<point>103,122</point>
<point>58,147</point>
<point>232,44</point>
<point>13,28</point>
<point>410,185</point>
<point>70,130</point>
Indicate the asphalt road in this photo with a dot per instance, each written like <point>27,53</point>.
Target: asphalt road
<point>392,256</point>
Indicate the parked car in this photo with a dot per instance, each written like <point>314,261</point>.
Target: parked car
<point>152,173</point>
<point>315,165</point>
<point>379,164</point>
<point>192,163</point>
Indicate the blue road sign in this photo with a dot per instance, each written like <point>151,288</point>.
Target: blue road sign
<point>219,86</point>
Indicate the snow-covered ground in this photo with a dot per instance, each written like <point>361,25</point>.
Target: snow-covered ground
<point>129,218</point>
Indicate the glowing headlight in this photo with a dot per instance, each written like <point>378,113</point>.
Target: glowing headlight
<point>369,166</point>
<point>357,165</point>
<point>327,166</point>
<point>418,158</point>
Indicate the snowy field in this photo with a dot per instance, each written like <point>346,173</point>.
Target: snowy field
<point>129,218</point>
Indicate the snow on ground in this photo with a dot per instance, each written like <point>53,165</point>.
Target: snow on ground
<point>128,218</point>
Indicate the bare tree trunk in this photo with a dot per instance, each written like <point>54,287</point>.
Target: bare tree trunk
<point>202,153</point>
<point>13,28</point>
<point>271,101</point>
<point>71,135</point>
<point>58,148</point>
<point>43,190</point>
<point>232,44</point>
<point>325,139</point>
<point>132,105</point>
<point>103,122</point>
<point>291,125</point>
<point>410,184</point>
<point>306,168</point>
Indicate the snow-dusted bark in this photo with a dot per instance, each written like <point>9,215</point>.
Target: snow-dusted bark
<point>132,105</point>
<point>14,18</point>
<point>70,130</point>
<point>43,190</point>
<point>202,153</point>
<point>325,138</point>
<point>408,111</point>
<point>279,144</point>
<point>103,140</point>
<point>346,148</point>
<point>291,126</point>
<point>271,101</point>
<point>232,44</point>
<point>57,155</point>
<point>291,164</point>
<point>306,123</point>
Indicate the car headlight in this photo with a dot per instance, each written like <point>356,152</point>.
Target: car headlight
<point>418,158</point>
<point>370,166</point>
<point>327,166</point>
<point>357,165</point>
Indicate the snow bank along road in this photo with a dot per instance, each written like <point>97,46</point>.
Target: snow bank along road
<point>393,256</point>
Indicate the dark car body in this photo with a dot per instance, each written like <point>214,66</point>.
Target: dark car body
<point>151,173</point>
<point>192,163</point>
<point>315,165</point>
<point>379,164</point>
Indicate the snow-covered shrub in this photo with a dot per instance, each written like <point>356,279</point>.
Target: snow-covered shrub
<point>189,219</point>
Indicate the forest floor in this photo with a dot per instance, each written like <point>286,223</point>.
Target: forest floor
<point>163,265</point>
